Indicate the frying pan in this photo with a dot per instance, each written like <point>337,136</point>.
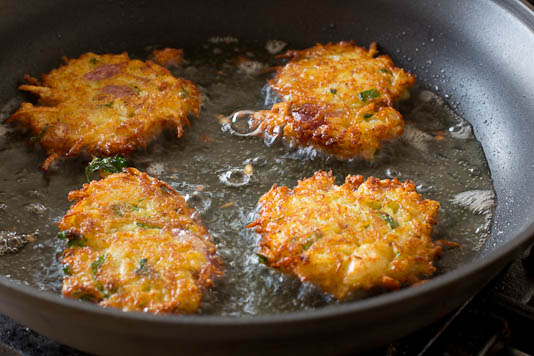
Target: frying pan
<point>487,51</point>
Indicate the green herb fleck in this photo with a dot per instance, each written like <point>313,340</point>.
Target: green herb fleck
<point>384,70</point>
<point>262,259</point>
<point>108,105</point>
<point>76,241</point>
<point>100,287</point>
<point>333,91</point>
<point>72,239</point>
<point>184,92</point>
<point>368,94</point>
<point>87,297</point>
<point>116,209</point>
<point>109,164</point>
<point>63,235</point>
<point>93,60</point>
<point>95,266</point>
<point>104,290</point>
<point>367,116</point>
<point>67,271</point>
<point>397,254</point>
<point>145,226</point>
<point>40,136</point>
<point>142,269</point>
<point>307,245</point>
<point>311,239</point>
<point>391,222</point>
<point>136,207</point>
<point>105,293</point>
<point>136,89</point>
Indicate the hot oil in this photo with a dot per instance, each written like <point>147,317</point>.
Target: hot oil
<point>223,175</point>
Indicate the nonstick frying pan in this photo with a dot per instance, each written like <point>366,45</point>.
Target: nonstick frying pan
<point>486,49</point>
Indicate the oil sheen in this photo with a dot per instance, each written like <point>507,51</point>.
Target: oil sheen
<point>223,173</point>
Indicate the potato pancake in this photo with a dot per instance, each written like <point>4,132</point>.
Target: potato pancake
<point>105,105</point>
<point>338,99</point>
<point>354,237</point>
<point>135,244</point>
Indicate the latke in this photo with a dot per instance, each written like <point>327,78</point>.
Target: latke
<point>354,237</point>
<point>105,105</point>
<point>135,244</point>
<point>337,98</point>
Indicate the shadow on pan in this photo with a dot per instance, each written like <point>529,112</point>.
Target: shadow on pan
<point>486,49</point>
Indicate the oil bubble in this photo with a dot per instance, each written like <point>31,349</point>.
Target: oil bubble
<point>156,169</point>
<point>250,67</point>
<point>35,193</point>
<point>474,171</point>
<point>274,46</point>
<point>234,177</point>
<point>392,173</point>
<point>461,131</point>
<point>240,124</point>
<point>423,188</point>
<point>223,39</point>
<point>269,139</point>
<point>200,201</point>
<point>35,208</point>
<point>256,161</point>
<point>11,242</point>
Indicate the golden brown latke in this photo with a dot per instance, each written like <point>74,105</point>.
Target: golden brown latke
<point>135,244</point>
<point>105,105</point>
<point>337,98</point>
<point>353,237</point>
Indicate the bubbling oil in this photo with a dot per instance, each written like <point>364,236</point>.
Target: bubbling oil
<point>222,174</point>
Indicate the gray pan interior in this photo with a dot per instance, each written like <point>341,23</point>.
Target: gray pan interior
<point>486,50</point>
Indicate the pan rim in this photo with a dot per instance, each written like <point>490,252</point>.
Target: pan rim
<point>522,11</point>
